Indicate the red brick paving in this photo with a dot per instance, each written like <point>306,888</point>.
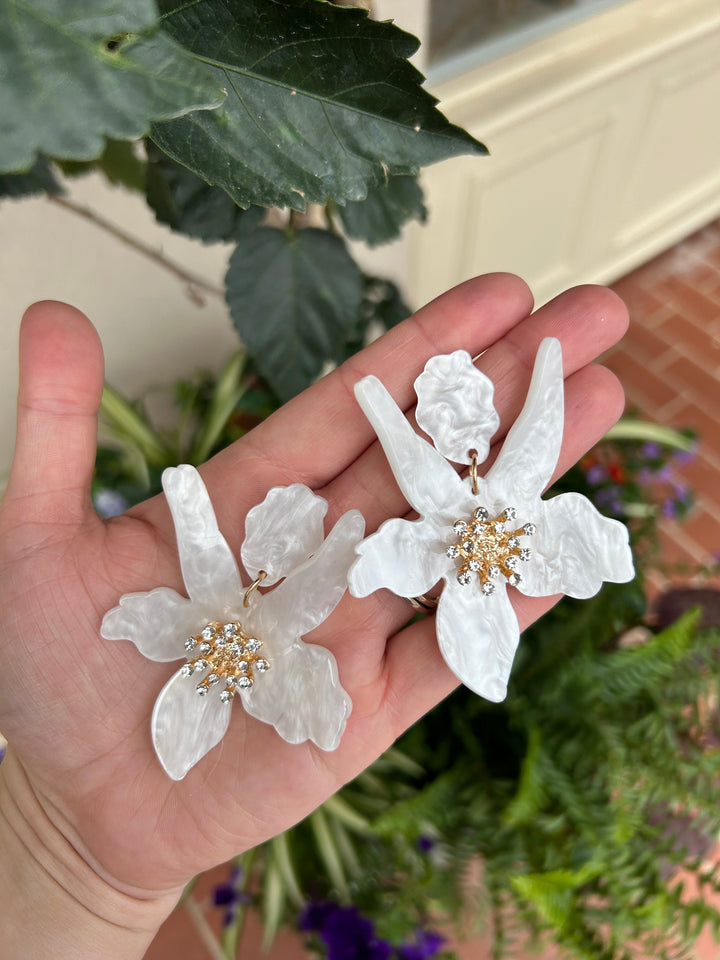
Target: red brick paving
<point>670,366</point>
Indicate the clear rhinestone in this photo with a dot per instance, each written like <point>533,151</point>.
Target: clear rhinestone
<point>205,647</point>
<point>481,514</point>
<point>213,678</point>
<point>225,696</point>
<point>220,640</point>
<point>200,665</point>
<point>514,579</point>
<point>242,666</point>
<point>229,629</point>
<point>467,546</point>
<point>478,528</point>
<point>244,683</point>
<point>190,643</point>
<point>230,682</point>
<point>499,526</point>
<point>525,553</point>
<point>201,689</point>
<point>186,670</point>
<point>529,529</point>
<point>262,665</point>
<point>464,578</point>
<point>459,526</point>
<point>510,513</point>
<point>512,563</point>
<point>474,565</point>
<point>452,552</point>
<point>253,645</point>
<point>494,571</point>
<point>208,633</point>
<point>488,588</point>
<point>235,649</point>
<point>513,543</point>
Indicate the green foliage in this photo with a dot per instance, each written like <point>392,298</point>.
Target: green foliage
<point>388,206</point>
<point>322,102</point>
<point>38,179</point>
<point>251,104</point>
<point>186,203</point>
<point>79,72</point>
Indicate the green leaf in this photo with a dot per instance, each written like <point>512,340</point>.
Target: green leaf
<point>225,396</point>
<point>294,299</point>
<point>189,205</point>
<point>329,853</point>
<point>118,161</point>
<point>38,179</point>
<point>82,71</point>
<point>322,102</point>
<point>380,217</point>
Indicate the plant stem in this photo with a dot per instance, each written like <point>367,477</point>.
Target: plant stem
<point>194,282</point>
<point>203,928</point>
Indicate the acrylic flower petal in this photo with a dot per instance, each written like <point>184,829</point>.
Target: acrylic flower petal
<point>529,455</point>
<point>575,550</point>
<point>157,622</point>
<point>301,697</point>
<point>185,725</point>
<point>428,482</point>
<point>282,531</point>
<point>478,637</point>
<point>310,594</point>
<point>208,567</point>
<point>455,406</point>
<point>405,556</point>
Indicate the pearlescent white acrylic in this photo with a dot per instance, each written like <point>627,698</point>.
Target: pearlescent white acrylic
<point>300,695</point>
<point>574,548</point>
<point>455,406</point>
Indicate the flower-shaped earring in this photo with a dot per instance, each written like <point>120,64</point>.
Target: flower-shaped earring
<point>237,642</point>
<point>481,535</point>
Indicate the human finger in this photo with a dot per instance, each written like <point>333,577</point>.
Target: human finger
<point>61,380</point>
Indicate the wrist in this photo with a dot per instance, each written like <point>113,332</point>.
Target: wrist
<point>52,902</point>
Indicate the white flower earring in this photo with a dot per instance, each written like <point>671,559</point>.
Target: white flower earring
<point>483,534</point>
<point>238,643</point>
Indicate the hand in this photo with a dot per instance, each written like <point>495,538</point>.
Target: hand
<point>75,708</point>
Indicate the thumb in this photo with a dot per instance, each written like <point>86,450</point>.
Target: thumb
<point>61,381</point>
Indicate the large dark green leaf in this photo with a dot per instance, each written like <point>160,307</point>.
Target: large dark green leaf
<point>39,179</point>
<point>322,102</point>
<point>294,298</point>
<point>119,161</point>
<point>388,206</point>
<point>189,205</point>
<point>77,71</point>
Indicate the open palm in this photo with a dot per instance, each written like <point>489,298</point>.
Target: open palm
<point>75,708</point>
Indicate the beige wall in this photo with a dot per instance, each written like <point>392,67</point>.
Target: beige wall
<point>152,331</point>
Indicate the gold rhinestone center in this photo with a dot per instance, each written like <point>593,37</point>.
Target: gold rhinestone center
<point>490,548</point>
<point>227,656</point>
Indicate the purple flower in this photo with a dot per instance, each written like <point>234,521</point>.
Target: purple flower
<point>315,915</point>
<point>109,503</point>
<point>665,474</point>
<point>596,475</point>
<point>646,477</point>
<point>610,499</point>
<point>669,509</point>
<point>425,844</point>
<point>650,450</point>
<point>427,944</point>
<point>231,895</point>
<point>346,934</point>
<point>683,457</point>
